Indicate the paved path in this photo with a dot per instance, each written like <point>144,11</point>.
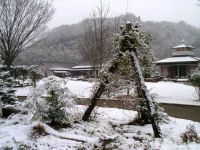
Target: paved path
<point>189,112</point>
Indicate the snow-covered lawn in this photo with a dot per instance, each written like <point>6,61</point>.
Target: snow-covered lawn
<point>108,129</point>
<point>171,92</point>
<point>79,88</point>
<point>167,92</point>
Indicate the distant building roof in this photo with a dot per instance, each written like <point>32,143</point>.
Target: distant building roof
<point>183,46</point>
<point>178,60</point>
<point>60,69</point>
<point>82,67</point>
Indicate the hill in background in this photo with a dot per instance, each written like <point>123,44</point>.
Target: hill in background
<point>62,43</point>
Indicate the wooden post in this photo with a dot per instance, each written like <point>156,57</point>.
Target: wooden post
<point>144,93</point>
<point>99,91</point>
<point>178,71</point>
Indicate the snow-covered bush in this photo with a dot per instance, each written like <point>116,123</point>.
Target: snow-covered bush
<point>6,91</point>
<point>7,95</point>
<point>35,74</point>
<point>51,102</point>
<point>19,72</point>
<point>190,135</point>
<point>195,80</point>
<point>157,76</point>
<point>159,115</point>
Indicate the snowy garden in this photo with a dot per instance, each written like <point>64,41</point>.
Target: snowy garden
<point>108,127</point>
<point>41,111</point>
<point>49,117</point>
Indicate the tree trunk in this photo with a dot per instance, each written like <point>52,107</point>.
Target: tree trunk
<point>8,66</point>
<point>143,116</point>
<point>93,101</point>
<point>144,93</point>
<point>99,91</point>
<point>34,83</point>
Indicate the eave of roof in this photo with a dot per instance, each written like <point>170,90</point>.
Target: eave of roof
<point>85,69</point>
<point>178,60</point>
<point>82,67</point>
<point>183,46</point>
<point>59,69</point>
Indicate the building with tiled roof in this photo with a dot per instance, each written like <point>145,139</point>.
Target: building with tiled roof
<point>181,64</point>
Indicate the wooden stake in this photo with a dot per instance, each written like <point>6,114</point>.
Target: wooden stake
<point>144,93</point>
<point>99,91</point>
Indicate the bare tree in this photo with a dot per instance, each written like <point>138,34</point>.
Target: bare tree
<point>88,46</point>
<point>22,21</point>
<point>96,45</point>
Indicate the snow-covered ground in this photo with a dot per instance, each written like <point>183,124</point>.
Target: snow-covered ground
<point>167,92</point>
<point>108,126</point>
<point>79,88</point>
<point>171,92</point>
<point>108,130</point>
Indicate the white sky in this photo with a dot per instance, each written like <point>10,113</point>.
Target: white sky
<point>73,11</point>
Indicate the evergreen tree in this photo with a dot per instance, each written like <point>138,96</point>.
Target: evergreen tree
<point>135,40</point>
<point>7,95</point>
<point>7,92</point>
<point>130,45</point>
<point>56,108</point>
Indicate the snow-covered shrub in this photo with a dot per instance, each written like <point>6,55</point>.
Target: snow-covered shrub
<point>159,115</point>
<point>6,91</point>
<point>195,80</point>
<point>35,74</point>
<point>51,102</point>
<point>190,135</point>
<point>157,76</point>
<point>19,72</point>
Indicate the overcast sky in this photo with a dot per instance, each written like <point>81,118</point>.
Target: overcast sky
<point>73,11</point>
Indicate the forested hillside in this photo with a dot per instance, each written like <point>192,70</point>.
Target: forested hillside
<point>167,34</point>
<point>61,44</point>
